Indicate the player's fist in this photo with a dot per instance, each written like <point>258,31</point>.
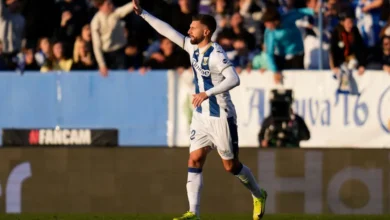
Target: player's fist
<point>137,7</point>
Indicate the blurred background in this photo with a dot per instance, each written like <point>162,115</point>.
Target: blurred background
<point>37,33</point>
<point>315,77</point>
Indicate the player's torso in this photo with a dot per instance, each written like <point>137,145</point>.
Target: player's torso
<point>207,76</point>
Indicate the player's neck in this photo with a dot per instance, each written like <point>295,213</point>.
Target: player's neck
<point>204,43</point>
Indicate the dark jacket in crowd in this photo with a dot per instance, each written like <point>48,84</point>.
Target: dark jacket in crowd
<point>344,45</point>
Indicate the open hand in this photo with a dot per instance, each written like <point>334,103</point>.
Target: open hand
<point>137,7</point>
<point>197,99</point>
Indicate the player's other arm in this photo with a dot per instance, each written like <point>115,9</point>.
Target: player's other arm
<point>160,26</point>
<point>231,80</point>
<point>224,66</point>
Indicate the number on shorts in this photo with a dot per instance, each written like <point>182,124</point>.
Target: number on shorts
<point>192,137</point>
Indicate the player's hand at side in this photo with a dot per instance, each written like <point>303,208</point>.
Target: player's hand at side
<point>197,99</point>
<point>137,7</point>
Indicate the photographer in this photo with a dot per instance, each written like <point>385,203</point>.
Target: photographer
<point>283,128</point>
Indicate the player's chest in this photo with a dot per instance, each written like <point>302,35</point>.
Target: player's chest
<point>201,64</point>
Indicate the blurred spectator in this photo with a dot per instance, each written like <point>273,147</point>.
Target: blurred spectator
<point>368,19</point>
<point>108,35</point>
<point>367,14</point>
<point>57,62</point>
<point>243,57</point>
<point>347,46</point>
<point>313,47</point>
<point>12,25</point>
<point>134,56</point>
<point>182,16</point>
<point>124,41</point>
<point>306,23</point>
<point>250,11</point>
<point>237,30</point>
<point>226,42</point>
<point>283,40</point>
<point>331,13</point>
<point>41,19</point>
<point>336,7</point>
<point>385,30</point>
<point>286,6</point>
<point>87,38</point>
<point>3,63</point>
<point>82,56</point>
<point>30,62</point>
<point>169,57</point>
<point>205,7</point>
<point>44,51</point>
<point>260,61</point>
<point>386,54</point>
<point>25,60</point>
<point>312,53</point>
<point>221,14</point>
<point>73,17</point>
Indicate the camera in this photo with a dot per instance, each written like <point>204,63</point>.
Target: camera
<point>281,101</point>
<point>280,132</point>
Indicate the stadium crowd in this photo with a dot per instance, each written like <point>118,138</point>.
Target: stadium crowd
<point>65,35</point>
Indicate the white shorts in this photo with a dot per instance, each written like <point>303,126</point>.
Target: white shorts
<point>217,133</point>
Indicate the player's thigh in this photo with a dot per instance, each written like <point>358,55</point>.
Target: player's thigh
<point>199,137</point>
<point>225,137</point>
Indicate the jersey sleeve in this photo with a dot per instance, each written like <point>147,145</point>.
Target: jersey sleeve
<point>221,65</point>
<point>220,61</point>
<point>187,46</point>
<point>164,29</point>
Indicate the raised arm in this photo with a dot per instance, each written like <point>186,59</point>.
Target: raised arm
<point>124,10</point>
<point>160,26</point>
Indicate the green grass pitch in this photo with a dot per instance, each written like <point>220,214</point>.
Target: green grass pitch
<point>169,217</point>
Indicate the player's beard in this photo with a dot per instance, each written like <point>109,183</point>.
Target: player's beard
<point>196,40</point>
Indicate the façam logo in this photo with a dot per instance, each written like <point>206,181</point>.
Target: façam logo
<point>383,110</point>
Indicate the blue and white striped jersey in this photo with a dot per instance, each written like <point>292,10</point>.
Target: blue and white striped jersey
<point>213,72</point>
<point>208,63</point>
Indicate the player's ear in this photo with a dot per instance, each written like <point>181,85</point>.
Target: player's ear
<point>206,32</point>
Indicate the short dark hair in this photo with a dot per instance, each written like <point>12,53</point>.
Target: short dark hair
<point>346,15</point>
<point>385,37</point>
<point>271,14</point>
<point>207,20</point>
<point>98,3</point>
